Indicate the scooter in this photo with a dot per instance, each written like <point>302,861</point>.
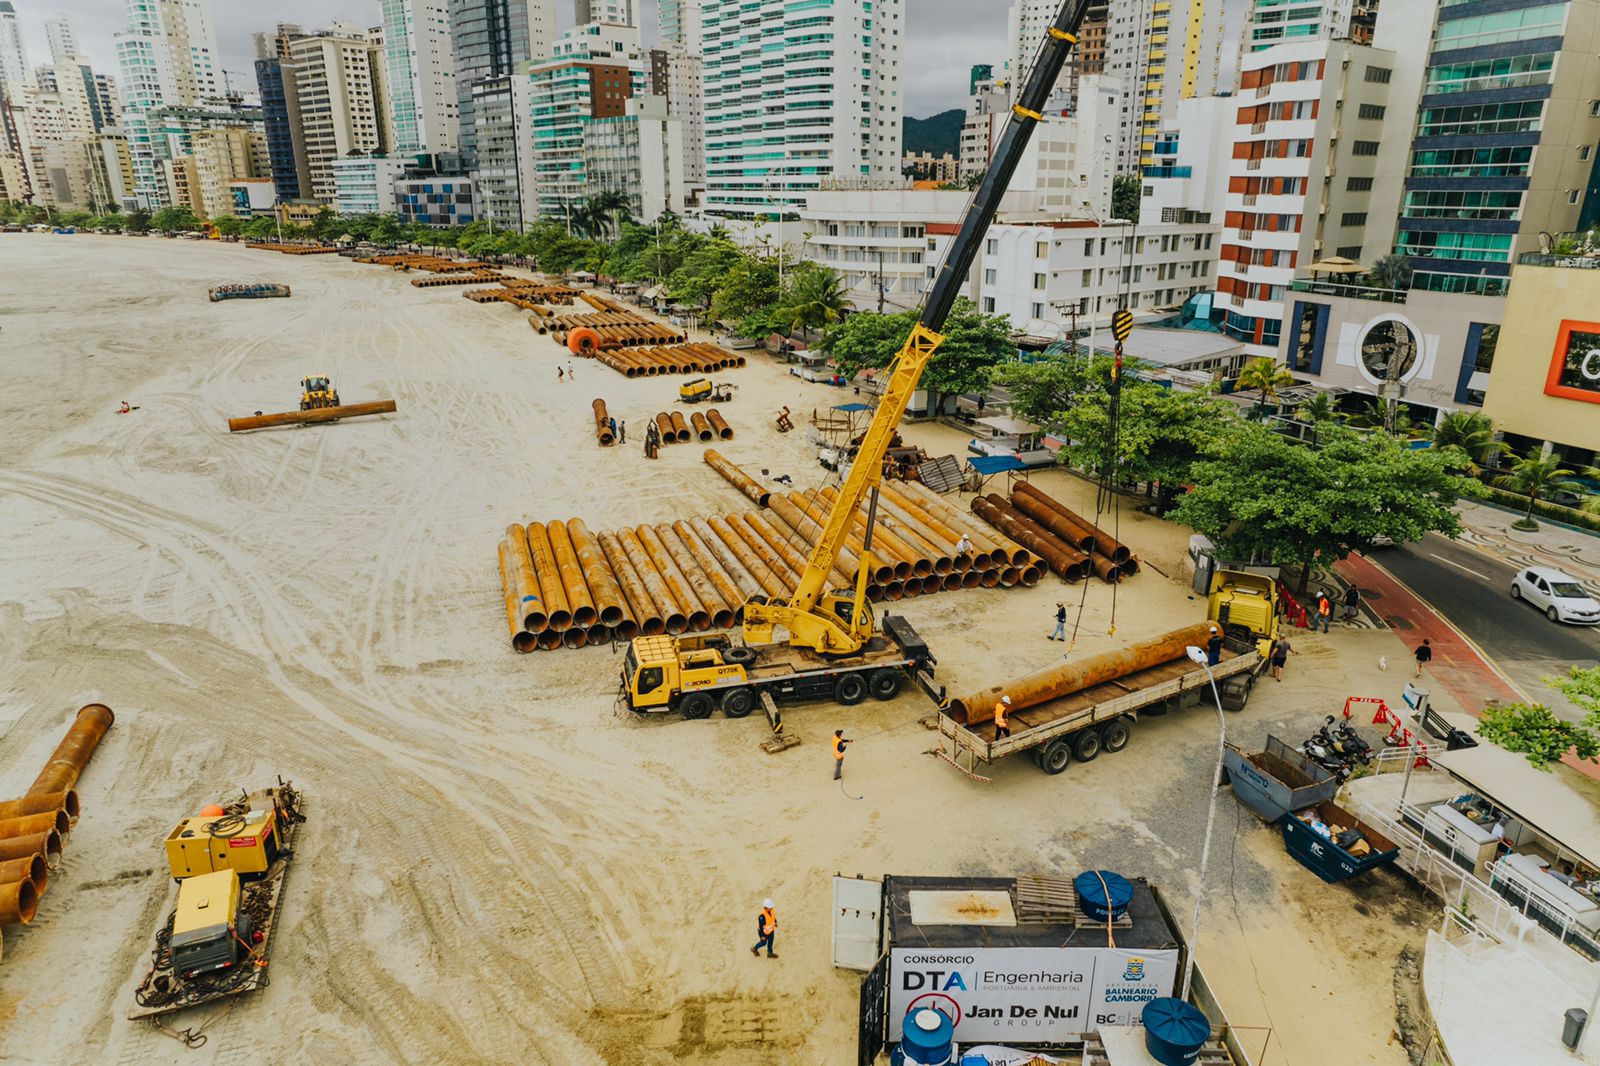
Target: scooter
<point>1355,741</point>
<point>1344,742</point>
<point>1324,756</point>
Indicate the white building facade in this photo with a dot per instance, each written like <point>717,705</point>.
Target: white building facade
<point>508,192</point>
<point>365,185</point>
<point>420,72</point>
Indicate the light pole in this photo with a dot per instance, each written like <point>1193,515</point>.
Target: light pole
<point>1199,656</point>
<point>766,183</point>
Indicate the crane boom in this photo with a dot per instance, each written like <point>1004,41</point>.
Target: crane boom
<point>843,630</point>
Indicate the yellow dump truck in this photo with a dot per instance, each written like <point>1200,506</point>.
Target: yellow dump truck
<point>1246,607</point>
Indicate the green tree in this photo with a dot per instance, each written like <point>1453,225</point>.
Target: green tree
<point>1263,496</point>
<point>1043,389</point>
<point>814,297</point>
<point>260,229</point>
<point>1470,435</point>
<point>1535,476</point>
<point>173,219</point>
<point>703,270</point>
<point>1318,407</point>
<point>1126,192</point>
<point>1534,730</point>
<point>1267,375</point>
<point>747,295</point>
<point>1390,272</point>
<point>973,344</point>
<point>229,225</point>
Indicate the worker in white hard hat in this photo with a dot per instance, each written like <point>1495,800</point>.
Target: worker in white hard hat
<point>766,929</point>
<point>1214,648</point>
<point>1002,712</point>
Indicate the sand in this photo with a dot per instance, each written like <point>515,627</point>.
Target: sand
<point>499,865</point>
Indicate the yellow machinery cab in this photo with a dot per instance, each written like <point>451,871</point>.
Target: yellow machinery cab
<point>246,844</point>
<point>317,392</point>
<point>657,669</point>
<point>1245,605</point>
<point>206,923</point>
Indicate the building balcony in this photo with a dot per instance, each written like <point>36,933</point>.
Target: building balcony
<point>1353,292</point>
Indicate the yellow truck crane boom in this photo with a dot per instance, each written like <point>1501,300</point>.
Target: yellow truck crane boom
<point>839,623</point>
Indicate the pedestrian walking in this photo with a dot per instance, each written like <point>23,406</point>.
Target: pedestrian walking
<point>1424,655</point>
<point>561,375</point>
<point>1324,611</point>
<point>1280,656</point>
<point>766,929</point>
<point>571,375</point>
<point>839,744</point>
<point>1214,647</point>
<point>1060,631</point>
<point>1002,718</point>
<point>1352,603</point>
<point>622,432</point>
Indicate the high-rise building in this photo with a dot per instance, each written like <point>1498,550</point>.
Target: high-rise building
<point>1281,21</point>
<point>679,75</point>
<point>503,130</point>
<point>612,12</point>
<point>280,107</point>
<point>339,85</point>
<point>63,39</point>
<point>836,121</point>
<point>492,38</point>
<point>110,101</point>
<point>221,157</point>
<point>16,75</point>
<point>593,71</point>
<point>679,22</point>
<point>365,185</point>
<point>421,73</point>
<point>638,154</point>
<point>977,130</point>
<point>167,57</point>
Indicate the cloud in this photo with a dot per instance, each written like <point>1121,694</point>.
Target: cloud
<point>943,37</point>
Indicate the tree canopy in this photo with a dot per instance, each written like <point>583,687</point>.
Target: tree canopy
<point>973,344</point>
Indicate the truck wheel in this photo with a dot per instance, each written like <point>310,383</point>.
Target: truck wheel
<point>1086,745</point>
<point>1234,697</point>
<point>1115,734</point>
<point>696,705</point>
<point>739,655</point>
<point>738,702</point>
<point>885,683</point>
<point>1056,757</point>
<point>1037,755</point>
<point>243,928</point>
<point>850,689</point>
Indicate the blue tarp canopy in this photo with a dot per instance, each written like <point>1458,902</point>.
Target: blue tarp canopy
<point>852,407</point>
<point>988,465</point>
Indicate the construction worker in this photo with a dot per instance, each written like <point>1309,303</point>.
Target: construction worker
<point>964,545</point>
<point>1002,718</point>
<point>1214,648</point>
<point>766,929</point>
<point>839,744</point>
<point>1060,631</point>
<point>622,432</point>
<point>1324,612</point>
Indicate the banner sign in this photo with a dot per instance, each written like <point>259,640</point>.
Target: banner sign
<point>1028,994</point>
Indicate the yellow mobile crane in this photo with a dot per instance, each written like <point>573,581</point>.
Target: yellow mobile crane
<point>833,647</point>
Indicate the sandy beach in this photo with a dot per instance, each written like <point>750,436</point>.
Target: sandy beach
<point>499,866</point>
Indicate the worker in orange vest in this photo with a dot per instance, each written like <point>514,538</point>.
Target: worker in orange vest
<point>839,744</point>
<point>1002,722</point>
<point>1324,612</point>
<point>766,929</point>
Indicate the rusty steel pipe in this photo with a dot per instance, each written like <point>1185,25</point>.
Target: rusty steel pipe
<point>695,612</point>
<point>680,428</point>
<point>885,542</point>
<point>521,639</point>
<point>640,607</point>
<point>579,599</point>
<point>705,590</point>
<point>797,540</point>
<point>1103,542</point>
<point>19,901</point>
<point>986,538</point>
<point>726,585</point>
<point>750,588</point>
<point>1068,532</point>
<point>942,529</point>
<point>1129,566</point>
<point>558,614</point>
<point>21,847</point>
<point>607,594</point>
<point>941,551</point>
<point>664,429</point>
<point>720,424</point>
<point>1063,558</point>
<point>548,640</point>
<point>778,541</point>
<point>702,429</point>
<point>524,579</point>
<point>1064,677</point>
<point>882,568</point>
<point>737,478</point>
<point>575,636</point>
<point>33,868</point>
<point>938,560</point>
<point>321,414</point>
<point>674,615</point>
<point>602,424</point>
<point>41,803</point>
<point>1105,569</point>
<point>599,633</point>
<point>788,577</point>
<point>848,562</point>
<point>755,564</point>
<point>61,770</point>
<point>27,825</point>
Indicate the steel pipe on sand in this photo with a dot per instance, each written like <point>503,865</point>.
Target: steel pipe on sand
<point>792,539</point>
<point>1103,542</point>
<point>664,429</point>
<point>882,566</point>
<point>702,429</point>
<point>321,414</point>
<point>21,847</point>
<point>750,589</point>
<point>938,530</point>
<point>61,770</point>
<point>1067,677</point>
<point>525,579</point>
<point>727,588</point>
<point>27,825</point>
<point>19,902</point>
<point>558,613</point>
<point>1065,560</point>
<point>720,610</point>
<point>674,616</point>
<point>1068,532</point>
<point>640,605</point>
<point>986,538</point>
<point>579,598</point>
<point>676,581</point>
<point>720,424</point>
<point>33,868</point>
<point>602,423</point>
<point>911,563</point>
<point>41,803</point>
<point>779,541</point>
<point>788,577</point>
<point>774,584</point>
<point>609,602</point>
<point>680,428</point>
<point>848,561</point>
<point>737,477</point>
<point>521,639</point>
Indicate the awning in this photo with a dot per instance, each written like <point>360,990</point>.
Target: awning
<point>988,465</point>
<point>1009,426</point>
<point>652,293</point>
<point>1335,264</point>
<point>852,407</point>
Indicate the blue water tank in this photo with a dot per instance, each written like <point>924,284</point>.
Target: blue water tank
<point>1174,1031</point>
<point>1100,891</point>
<point>928,1038</point>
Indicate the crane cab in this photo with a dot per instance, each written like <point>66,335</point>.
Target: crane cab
<point>657,672</point>
<point>841,604</point>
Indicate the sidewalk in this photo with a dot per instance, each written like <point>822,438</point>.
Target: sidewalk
<point>1489,528</point>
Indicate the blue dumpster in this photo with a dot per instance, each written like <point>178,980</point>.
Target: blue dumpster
<point>1337,854</point>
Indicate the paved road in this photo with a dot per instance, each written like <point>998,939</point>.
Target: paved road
<point>1472,590</point>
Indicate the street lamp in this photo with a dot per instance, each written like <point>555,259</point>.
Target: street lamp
<point>766,183</point>
<point>1198,655</point>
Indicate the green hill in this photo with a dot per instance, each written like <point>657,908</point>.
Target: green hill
<point>938,134</point>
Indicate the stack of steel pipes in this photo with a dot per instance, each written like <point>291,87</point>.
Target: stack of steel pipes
<point>672,428</point>
<point>679,359</point>
<point>33,826</point>
<point>292,249</point>
<point>706,427</point>
<point>602,423</point>
<point>613,329</point>
<point>457,277</point>
<point>1073,548</point>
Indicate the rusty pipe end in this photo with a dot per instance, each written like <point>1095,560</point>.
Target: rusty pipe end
<point>705,436</point>
<point>675,623</point>
<point>575,637</point>
<point>606,440</point>
<point>902,570</point>
<point>611,614</point>
<point>943,564</point>
<point>961,561</point>
<point>524,642</point>
<point>548,640</point>
<point>971,579</point>
<point>652,627</point>
<point>894,590</point>
<point>534,621</point>
<point>1031,574</point>
<point>952,580</point>
<point>625,629</point>
<point>912,586</point>
<point>38,871</point>
<point>69,803</point>
<point>1009,576</point>
<point>559,621</point>
<point>921,568</point>
<point>989,578</point>
<point>699,620</point>
<point>597,633</point>
<point>19,902</point>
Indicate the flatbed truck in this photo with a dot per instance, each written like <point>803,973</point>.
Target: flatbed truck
<point>1100,718</point>
<point>695,676</point>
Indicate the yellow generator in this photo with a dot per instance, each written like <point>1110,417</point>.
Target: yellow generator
<point>701,390</point>
<point>316,393</point>
<point>244,843</point>
<point>208,932</point>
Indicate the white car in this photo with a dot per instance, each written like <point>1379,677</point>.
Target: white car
<point>1559,595</point>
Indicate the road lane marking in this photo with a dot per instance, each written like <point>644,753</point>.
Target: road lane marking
<point>1458,566</point>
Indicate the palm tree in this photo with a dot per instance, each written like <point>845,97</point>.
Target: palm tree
<point>719,232</point>
<point>605,207</point>
<point>1390,272</point>
<point>1266,375</point>
<point>1472,434</point>
<point>1535,476</point>
<point>1318,408</point>
<point>814,298</point>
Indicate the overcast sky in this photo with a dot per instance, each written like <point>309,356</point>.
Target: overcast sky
<point>943,37</point>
